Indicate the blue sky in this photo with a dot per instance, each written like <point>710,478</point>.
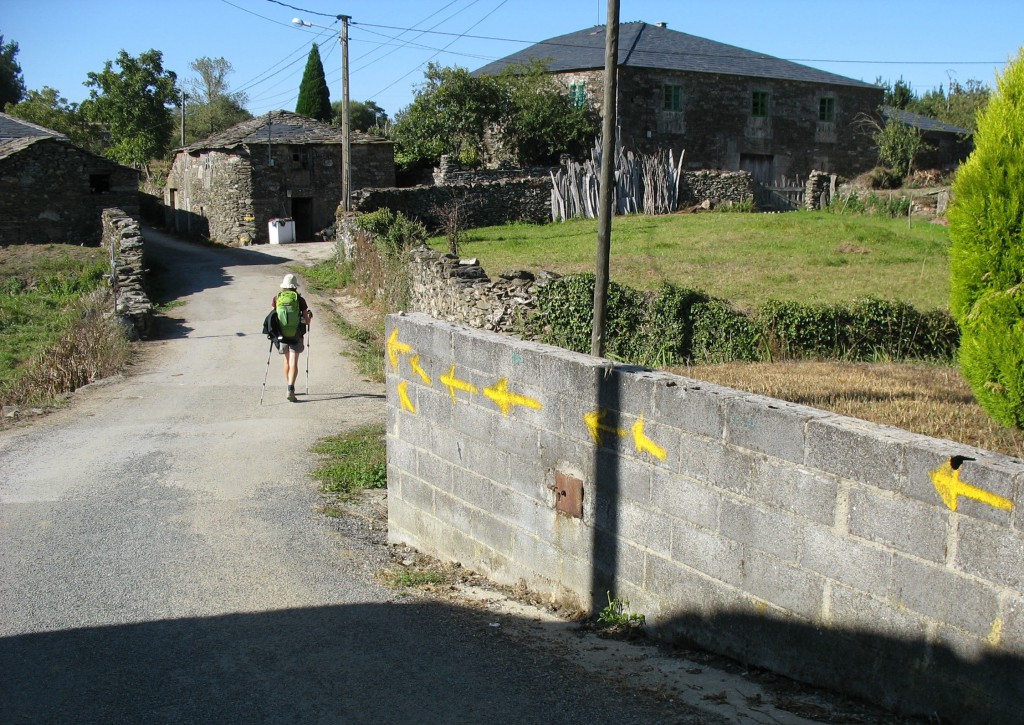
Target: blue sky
<point>926,42</point>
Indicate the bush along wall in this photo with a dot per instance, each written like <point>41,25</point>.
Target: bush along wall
<point>676,325</point>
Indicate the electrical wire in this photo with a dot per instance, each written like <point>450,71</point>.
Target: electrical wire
<point>458,37</point>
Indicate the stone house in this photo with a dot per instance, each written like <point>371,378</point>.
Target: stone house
<point>230,186</point>
<point>726,107</point>
<point>51,191</point>
<point>948,145</point>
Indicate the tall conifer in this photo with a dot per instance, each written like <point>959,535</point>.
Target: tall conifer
<point>986,259</point>
<point>314,97</point>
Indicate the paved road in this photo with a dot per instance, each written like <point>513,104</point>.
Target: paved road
<point>161,560</point>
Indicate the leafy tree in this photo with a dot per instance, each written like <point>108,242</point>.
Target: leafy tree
<point>986,225</point>
<point>897,95</point>
<point>314,96</point>
<point>898,146</point>
<point>48,108</point>
<point>12,85</point>
<point>449,115</point>
<point>960,107</point>
<point>214,107</point>
<point>134,103</point>
<point>362,116</point>
<point>521,114</point>
<point>541,121</point>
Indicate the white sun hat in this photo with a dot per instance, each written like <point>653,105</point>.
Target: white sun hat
<point>289,282</point>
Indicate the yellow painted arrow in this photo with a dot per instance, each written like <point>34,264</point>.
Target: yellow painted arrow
<point>453,383</point>
<point>644,444</point>
<point>505,400</point>
<point>595,424</point>
<point>946,480</point>
<point>414,362</point>
<point>396,348</point>
<point>403,395</point>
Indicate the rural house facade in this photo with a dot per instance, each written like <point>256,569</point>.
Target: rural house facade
<point>51,191</point>
<point>726,107</point>
<point>230,186</point>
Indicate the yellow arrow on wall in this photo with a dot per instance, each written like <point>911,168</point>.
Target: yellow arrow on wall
<point>453,383</point>
<point>505,400</point>
<point>595,424</point>
<point>414,363</point>
<point>644,444</point>
<point>946,480</point>
<point>396,348</point>
<point>403,396</point>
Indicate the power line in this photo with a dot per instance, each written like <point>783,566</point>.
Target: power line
<point>308,12</point>
<point>685,54</point>
<point>457,37</point>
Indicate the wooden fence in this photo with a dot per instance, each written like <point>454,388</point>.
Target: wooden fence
<point>644,183</point>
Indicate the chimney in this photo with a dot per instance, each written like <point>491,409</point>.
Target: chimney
<point>662,24</point>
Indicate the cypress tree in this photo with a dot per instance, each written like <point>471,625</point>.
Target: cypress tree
<point>314,97</point>
<point>986,259</point>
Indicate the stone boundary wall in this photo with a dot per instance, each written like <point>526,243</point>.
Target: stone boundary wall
<point>719,186</point>
<point>458,290</point>
<point>123,239</point>
<point>845,554</point>
<point>452,172</point>
<point>484,204</point>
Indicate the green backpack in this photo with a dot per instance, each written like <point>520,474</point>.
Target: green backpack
<point>289,317</point>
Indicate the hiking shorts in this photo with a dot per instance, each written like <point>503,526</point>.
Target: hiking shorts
<point>296,346</point>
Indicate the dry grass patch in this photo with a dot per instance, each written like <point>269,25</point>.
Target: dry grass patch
<point>930,400</point>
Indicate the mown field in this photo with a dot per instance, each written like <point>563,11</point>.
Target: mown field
<point>745,258</point>
<point>801,256</point>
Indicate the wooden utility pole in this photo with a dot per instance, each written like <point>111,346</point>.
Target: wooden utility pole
<point>607,201</point>
<point>346,133</point>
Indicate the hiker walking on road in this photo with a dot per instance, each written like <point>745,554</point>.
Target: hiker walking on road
<point>293,316</point>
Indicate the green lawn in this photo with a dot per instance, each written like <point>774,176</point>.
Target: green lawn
<point>745,258</point>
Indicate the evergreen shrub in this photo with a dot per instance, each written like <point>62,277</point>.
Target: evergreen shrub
<point>987,253</point>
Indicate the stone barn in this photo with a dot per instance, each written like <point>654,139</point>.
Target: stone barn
<point>727,107</point>
<point>948,145</point>
<point>51,191</point>
<point>230,186</point>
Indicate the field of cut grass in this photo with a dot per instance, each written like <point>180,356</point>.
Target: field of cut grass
<point>745,258</point>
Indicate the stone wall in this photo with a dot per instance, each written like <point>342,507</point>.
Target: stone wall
<point>449,171</point>
<point>846,554</point>
<point>230,195</point>
<point>718,186</point>
<point>458,290</point>
<point>53,192</point>
<point>484,204</point>
<point>123,239</point>
<point>716,129</point>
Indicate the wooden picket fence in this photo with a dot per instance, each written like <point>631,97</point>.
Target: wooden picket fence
<point>644,183</point>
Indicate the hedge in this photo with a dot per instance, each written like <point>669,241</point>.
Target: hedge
<point>674,325</point>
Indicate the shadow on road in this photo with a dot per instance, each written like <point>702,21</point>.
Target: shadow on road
<point>361,663</point>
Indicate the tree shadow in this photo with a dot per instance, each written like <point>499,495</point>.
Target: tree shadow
<point>417,662</point>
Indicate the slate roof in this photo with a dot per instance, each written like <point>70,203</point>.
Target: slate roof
<point>284,127</point>
<point>922,123</point>
<point>642,45</point>
<point>11,127</point>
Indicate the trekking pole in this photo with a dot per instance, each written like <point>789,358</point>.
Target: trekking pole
<point>308,336</point>
<point>270,353</point>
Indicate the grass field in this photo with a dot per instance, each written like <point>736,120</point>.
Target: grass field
<point>802,256</point>
<point>745,258</point>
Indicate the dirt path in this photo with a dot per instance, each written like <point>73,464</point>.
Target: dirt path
<point>161,560</point>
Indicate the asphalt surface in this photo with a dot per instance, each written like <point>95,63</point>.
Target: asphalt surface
<point>162,560</point>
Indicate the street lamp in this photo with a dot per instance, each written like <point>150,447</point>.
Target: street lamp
<point>346,135</point>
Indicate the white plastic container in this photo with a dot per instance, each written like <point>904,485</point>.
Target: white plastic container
<point>282,231</point>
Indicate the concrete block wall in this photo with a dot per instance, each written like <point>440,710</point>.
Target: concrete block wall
<point>790,538</point>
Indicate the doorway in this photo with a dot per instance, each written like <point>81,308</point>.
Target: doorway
<point>302,213</point>
<point>760,167</point>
